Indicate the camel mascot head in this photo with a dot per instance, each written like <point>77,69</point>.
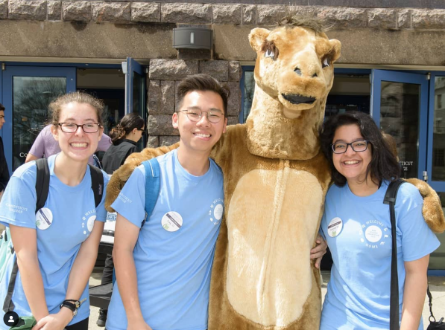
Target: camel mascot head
<point>293,74</point>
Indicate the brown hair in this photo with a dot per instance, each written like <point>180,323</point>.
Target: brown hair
<point>79,97</point>
<point>126,125</point>
<point>203,82</point>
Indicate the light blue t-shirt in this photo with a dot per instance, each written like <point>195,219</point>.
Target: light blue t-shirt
<point>358,233</point>
<point>174,252</point>
<point>61,225</point>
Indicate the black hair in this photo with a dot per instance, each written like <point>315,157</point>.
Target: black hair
<point>383,165</point>
<point>2,108</point>
<point>127,124</point>
<point>203,82</point>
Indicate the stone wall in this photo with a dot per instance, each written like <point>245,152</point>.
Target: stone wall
<point>162,81</point>
<point>233,14</point>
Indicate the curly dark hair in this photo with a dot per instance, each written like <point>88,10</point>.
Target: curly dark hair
<point>383,165</point>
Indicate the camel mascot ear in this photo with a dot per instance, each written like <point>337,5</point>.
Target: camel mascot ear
<point>336,49</point>
<point>257,37</point>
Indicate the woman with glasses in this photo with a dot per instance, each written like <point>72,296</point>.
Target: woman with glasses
<point>357,227</point>
<point>124,136</point>
<point>56,248</point>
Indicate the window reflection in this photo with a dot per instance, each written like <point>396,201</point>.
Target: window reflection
<point>399,117</point>
<point>31,97</point>
<point>438,172</point>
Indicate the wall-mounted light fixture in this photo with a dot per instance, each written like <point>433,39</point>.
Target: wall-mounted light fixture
<point>192,38</point>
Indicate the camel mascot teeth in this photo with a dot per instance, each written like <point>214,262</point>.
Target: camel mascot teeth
<point>275,181</point>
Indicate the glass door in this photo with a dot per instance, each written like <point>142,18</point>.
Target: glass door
<point>27,92</point>
<point>135,92</point>
<point>436,155</point>
<point>399,106</point>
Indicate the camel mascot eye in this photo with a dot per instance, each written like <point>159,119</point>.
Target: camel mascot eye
<point>325,62</point>
<point>269,53</point>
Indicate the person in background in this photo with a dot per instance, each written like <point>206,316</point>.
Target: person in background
<point>45,145</point>
<point>4,172</point>
<point>357,228</point>
<point>56,248</point>
<point>124,136</point>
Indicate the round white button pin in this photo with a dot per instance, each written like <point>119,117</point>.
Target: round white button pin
<point>335,227</point>
<point>172,221</point>
<point>44,218</point>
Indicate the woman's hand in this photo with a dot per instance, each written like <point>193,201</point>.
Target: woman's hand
<point>55,321</point>
<point>319,250</point>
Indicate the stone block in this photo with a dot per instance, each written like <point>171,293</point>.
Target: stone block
<point>270,14</point>
<point>232,120</point>
<point>34,10</point>
<point>117,12</point>
<point>186,13</point>
<point>168,97</point>
<point>154,97</point>
<point>79,11</point>
<point>235,71</point>
<point>217,69</point>
<point>343,18</point>
<point>303,11</point>
<point>382,18</point>
<point>227,14</point>
<point>428,19</point>
<point>168,140</point>
<point>250,15</point>
<point>145,12</point>
<point>234,102</point>
<point>153,141</point>
<point>171,69</point>
<point>160,125</point>
<point>54,10</point>
<point>3,9</point>
<point>404,19</point>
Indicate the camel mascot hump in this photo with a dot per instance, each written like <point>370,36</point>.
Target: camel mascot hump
<point>275,181</point>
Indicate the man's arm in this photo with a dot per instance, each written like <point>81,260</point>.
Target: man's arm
<point>30,157</point>
<point>125,238</point>
<point>37,148</point>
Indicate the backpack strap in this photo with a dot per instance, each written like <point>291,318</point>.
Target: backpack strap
<point>42,182</point>
<point>390,198</point>
<point>152,186</point>
<point>97,184</point>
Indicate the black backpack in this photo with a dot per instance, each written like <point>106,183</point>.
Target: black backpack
<point>42,189</point>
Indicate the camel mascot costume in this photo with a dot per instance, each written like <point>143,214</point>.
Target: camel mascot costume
<point>275,181</point>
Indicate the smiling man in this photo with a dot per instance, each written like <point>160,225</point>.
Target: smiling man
<point>4,172</point>
<point>163,269</point>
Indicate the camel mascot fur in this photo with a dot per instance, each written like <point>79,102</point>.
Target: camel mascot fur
<point>275,182</point>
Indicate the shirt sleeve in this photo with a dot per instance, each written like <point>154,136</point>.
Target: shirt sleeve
<point>131,201</point>
<point>104,143</point>
<point>417,238</point>
<point>38,147</point>
<point>101,212</point>
<point>18,205</point>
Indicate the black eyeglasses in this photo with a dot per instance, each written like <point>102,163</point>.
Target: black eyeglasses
<point>72,128</point>
<point>214,116</point>
<point>342,147</point>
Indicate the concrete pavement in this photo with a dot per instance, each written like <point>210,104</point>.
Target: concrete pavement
<point>437,288</point>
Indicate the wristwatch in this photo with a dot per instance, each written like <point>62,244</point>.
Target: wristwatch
<point>72,305</point>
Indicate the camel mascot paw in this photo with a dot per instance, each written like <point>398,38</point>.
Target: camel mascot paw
<point>432,208</point>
